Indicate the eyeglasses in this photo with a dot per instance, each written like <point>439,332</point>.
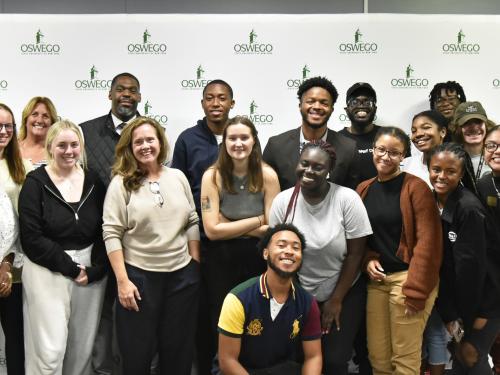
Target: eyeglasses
<point>8,127</point>
<point>381,151</point>
<point>447,99</point>
<point>491,146</point>
<point>368,103</point>
<point>154,187</point>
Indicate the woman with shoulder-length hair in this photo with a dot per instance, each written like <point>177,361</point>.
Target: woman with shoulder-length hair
<point>13,171</point>
<point>60,210</point>
<point>38,115</point>
<point>236,196</point>
<point>152,239</point>
<point>403,258</point>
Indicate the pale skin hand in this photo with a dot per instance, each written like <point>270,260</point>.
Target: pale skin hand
<point>82,278</point>
<point>375,270</point>
<point>128,294</point>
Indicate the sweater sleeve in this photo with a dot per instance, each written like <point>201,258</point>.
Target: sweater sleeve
<point>39,248</point>
<point>114,215</point>
<point>427,251</point>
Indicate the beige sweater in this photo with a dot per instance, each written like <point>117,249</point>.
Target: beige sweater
<point>152,238</point>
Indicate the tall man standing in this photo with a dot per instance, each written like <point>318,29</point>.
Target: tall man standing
<point>361,108</point>
<point>195,150</point>
<point>317,96</point>
<point>101,136</point>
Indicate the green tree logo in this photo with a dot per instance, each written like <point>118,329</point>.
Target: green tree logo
<point>357,36</point>
<point>460,36</point>
<point>199,72</point>
<point>305,72</point>
<point>409,71</point>
<point>93,72</point>
<point>147,107</point>
<point>253,107</point>
<point>252,36</point>
<point>39,36</point>
<point>145,37</point>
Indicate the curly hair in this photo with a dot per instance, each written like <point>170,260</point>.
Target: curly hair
<point>449,86</point>
<point>271,231</point>
<point>322,82</point>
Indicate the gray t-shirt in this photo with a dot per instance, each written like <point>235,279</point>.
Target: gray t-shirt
<point>326,227</point>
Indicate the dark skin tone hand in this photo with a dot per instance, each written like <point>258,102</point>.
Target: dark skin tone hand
<point>5,279</point>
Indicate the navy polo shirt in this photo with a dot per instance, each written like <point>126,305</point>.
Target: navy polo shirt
<point>246,314</point>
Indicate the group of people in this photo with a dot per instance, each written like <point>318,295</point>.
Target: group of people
<point>116,260</point>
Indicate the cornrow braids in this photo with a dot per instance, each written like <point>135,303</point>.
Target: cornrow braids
<point>468,179</point>
<point>325,147</point>
<point>449,86</point>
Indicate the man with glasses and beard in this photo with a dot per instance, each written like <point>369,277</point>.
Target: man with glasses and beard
<point>267,322</point>
<point>361,109</point>
<point>317,96</point>
<point>101,136</point>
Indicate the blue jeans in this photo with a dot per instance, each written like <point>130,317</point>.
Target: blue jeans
<point>436,339</point>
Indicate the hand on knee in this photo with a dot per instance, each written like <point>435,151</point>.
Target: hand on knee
<point>469,354</point>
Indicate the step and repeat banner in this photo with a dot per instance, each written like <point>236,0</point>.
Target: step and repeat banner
<point>72,59</point>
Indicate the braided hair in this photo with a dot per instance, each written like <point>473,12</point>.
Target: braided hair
<point>468,179</point>
<point>450,86</point>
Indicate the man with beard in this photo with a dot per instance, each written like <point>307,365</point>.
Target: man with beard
<point>361,108</point>
<point>102,133</point>
<point>268,321</point>
<point>101,136</point>
<point>195,150</point>
<point>445,98</point>
<point>317,96</point>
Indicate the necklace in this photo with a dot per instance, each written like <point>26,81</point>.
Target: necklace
<point>495,186</point>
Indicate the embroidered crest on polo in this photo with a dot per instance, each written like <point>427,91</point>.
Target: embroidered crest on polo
<point>255,328</point>
<point>452,236</point>
<point>471,109</point>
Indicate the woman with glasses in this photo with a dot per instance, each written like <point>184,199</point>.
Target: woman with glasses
<point>469,290</point>
<point>13,171</point>
<point>489,193</point>
<point>38,115</point>
<point>60,210</point>
<point>236,196</point>
<point>152,238</point>
<point>403,257</point>
<point>336,226</point>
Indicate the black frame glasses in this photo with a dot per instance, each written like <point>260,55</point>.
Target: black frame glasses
<point>9,128</point>
<point>491,147</point>
<point>381,151</point>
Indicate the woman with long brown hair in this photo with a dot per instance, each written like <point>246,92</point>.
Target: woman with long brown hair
<point>236,196</point>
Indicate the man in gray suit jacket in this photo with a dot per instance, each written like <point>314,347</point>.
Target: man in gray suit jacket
<point>317,96</point>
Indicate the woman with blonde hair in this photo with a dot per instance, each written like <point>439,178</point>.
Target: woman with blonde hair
<point>38,115</point>
<point>60,210</point>
<point>152,239</point>
<point>236,196</point>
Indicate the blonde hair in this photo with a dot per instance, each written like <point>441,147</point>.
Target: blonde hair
<point>125,164</point>
<point>55,130</point>
<point>30,107</point>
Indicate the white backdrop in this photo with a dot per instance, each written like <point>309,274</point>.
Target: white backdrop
<point>72,58</point>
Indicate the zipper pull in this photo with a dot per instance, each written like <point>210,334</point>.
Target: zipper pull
<point>76,216</point>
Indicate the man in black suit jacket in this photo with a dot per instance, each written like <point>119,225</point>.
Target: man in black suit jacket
<point>102,133</point>
<point>317,96</point>
<point>101,136</point>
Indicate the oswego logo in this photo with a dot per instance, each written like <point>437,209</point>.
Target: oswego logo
<point>410,82</point>
<point>359,46</point>
<point>196,84</point>
<point>253,47</point>
<point>496,83</point>
<point>294,83</point>
<point>147,47</point>
<point>460,47</point>
<point>40,47</point>
<point>257,117</point>
<point>94,83</point>
<point>162,119</point>
<point>3,84</point>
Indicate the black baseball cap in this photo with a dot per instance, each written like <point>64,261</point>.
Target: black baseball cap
<point>361,87</point>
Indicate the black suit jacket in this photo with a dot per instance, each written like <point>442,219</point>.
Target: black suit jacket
<point>282,153</point>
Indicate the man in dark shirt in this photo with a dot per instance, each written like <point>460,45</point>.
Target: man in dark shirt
<point>361,109</point>
<point>195,150</point>
<point>317,96</point>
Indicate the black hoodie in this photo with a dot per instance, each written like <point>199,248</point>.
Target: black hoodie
<point>49,225</point>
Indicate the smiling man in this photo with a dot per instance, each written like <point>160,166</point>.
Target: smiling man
<point>267,322</point>
<point>361,108</point>
<point>317,96</point>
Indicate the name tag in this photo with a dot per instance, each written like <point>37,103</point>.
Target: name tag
<point>491,201</point>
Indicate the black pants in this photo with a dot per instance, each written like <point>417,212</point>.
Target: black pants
<point>337,346</point>
<point>167,316</point>
<point>11,316</point>
<point>482,340</point>
<point>229,263</point>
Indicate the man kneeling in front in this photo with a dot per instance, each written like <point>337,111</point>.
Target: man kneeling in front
<point>269,324</point>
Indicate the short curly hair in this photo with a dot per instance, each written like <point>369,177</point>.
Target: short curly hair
<point>322,82</point>
<point>271,231</point>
